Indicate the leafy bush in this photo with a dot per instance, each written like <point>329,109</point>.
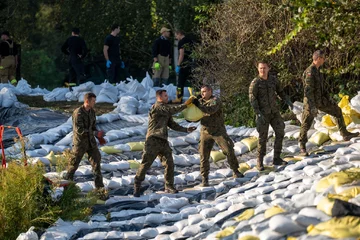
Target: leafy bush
<point>24,202</point>
<point>39,69</point>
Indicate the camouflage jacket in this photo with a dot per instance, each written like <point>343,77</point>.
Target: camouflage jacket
<point>160,118</point>
<point>263,95</point>
<point>84,125</point>
<point>314,92</point>
<point>213,120</point>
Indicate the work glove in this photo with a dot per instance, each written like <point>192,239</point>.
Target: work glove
<point>260,118</point>
<point>290,104</point>
<point>100,136</point>
<point>157,66</point>
<point>1,67</point>
<point>177,69</point>
<point>190,100</point>
<point>196,102</point>
<point>122,65</point>
<point>170,68</point>
<point>191,129</point>
<point>108,63</point>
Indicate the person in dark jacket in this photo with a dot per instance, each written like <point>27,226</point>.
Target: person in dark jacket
<point>75,48</point>
<point>8,59</point>
<point>161,52</point>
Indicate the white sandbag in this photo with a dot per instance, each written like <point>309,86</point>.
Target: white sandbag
<point>305,199</point>
<point>209,212</point>
<point>108,91</point>
<point>177,141</point>
<point>225,172</point>
<point>136,89</point>
<point>147,82</point>
<point>193,138</point>
<point>154,218</point>
<point>48,148</point>
<point>8,98</point>
<point>175,203</point>
<point>251,173</point>
<point>240,148</point>
<point>85,186</point>
<point>66,141</point>
<point>312,170</point>
<point>190,231</point>
<point>181,224</point>
<point>35,139</point>
<point>22,87</point>
<point>195,218</point>
<point>167,229</point>
<point>58,94</point>
<point>187,211</point>
<point>304,220</point>
<point>269,234</point>
<point>29,235</point>
<point>284,225</point>
<point>149,233</point>
<point>223,206</point>
<point>265,178</point>
<point>122,147</point>
<point>181,160</point>
<point>314,213</point>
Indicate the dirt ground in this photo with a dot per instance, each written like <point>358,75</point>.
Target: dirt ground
<point>63,106</point>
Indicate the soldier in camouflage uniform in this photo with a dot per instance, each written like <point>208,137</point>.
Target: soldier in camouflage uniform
<point>84,132</point>
<point>263,93</point>
<point>316,97</point>
<point>156,144</point>
<point>213,130</point>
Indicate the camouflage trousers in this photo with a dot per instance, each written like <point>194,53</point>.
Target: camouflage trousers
<point>157,147</point>
<point>307,119</point>
<point>205,146</point>
<point>277,123</point>
<point>94,157</point>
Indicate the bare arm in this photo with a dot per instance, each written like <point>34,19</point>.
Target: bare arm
<point>181,56</point>
<point>106,47</point>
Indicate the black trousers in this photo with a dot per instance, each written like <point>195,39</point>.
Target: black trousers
<point>76,71</point>
<point>184,74</point>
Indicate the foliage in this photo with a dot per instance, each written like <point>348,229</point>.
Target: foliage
<point>238,33</point>
<point>43,26</point>
<point>24,202</point>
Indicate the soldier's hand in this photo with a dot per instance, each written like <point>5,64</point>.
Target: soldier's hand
<point>196,102</point>
<point>191,129</point>
<point>260,118</point>
<point>190,100</point>
<point>314,111</point>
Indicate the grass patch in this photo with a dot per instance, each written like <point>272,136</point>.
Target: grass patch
<point>25,202</point>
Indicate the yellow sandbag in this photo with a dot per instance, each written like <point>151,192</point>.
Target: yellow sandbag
<point>192,113</point>
<point>134,164</point>
<point>326,205</point>
<point>355,116</point>
<point>250,142</point>
<point>344,102</point>
<point>347,119</point>
<point>288,159</point>
<point>249,237</point>
<point>319,138</point>
<point>136,146</point>
<point>226,232</point>
<point>243,167</point>
<point>326,121</point>
<point>347,194</point>
<point>54,159</point>
<point>338,179</point>
<point>273,211</point>
<point>110,149</point>
<point>217,156</point>
<point>247,214</point>
<point>343,227</point>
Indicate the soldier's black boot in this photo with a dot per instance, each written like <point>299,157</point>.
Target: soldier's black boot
<point>137,186</point>
<point>171,189</point>
<point>303,151</point>
<point>205,182</point>
<point>348,135</point>
<point>279,162</point>
<point>260,164</point>
<point>237,174</point>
